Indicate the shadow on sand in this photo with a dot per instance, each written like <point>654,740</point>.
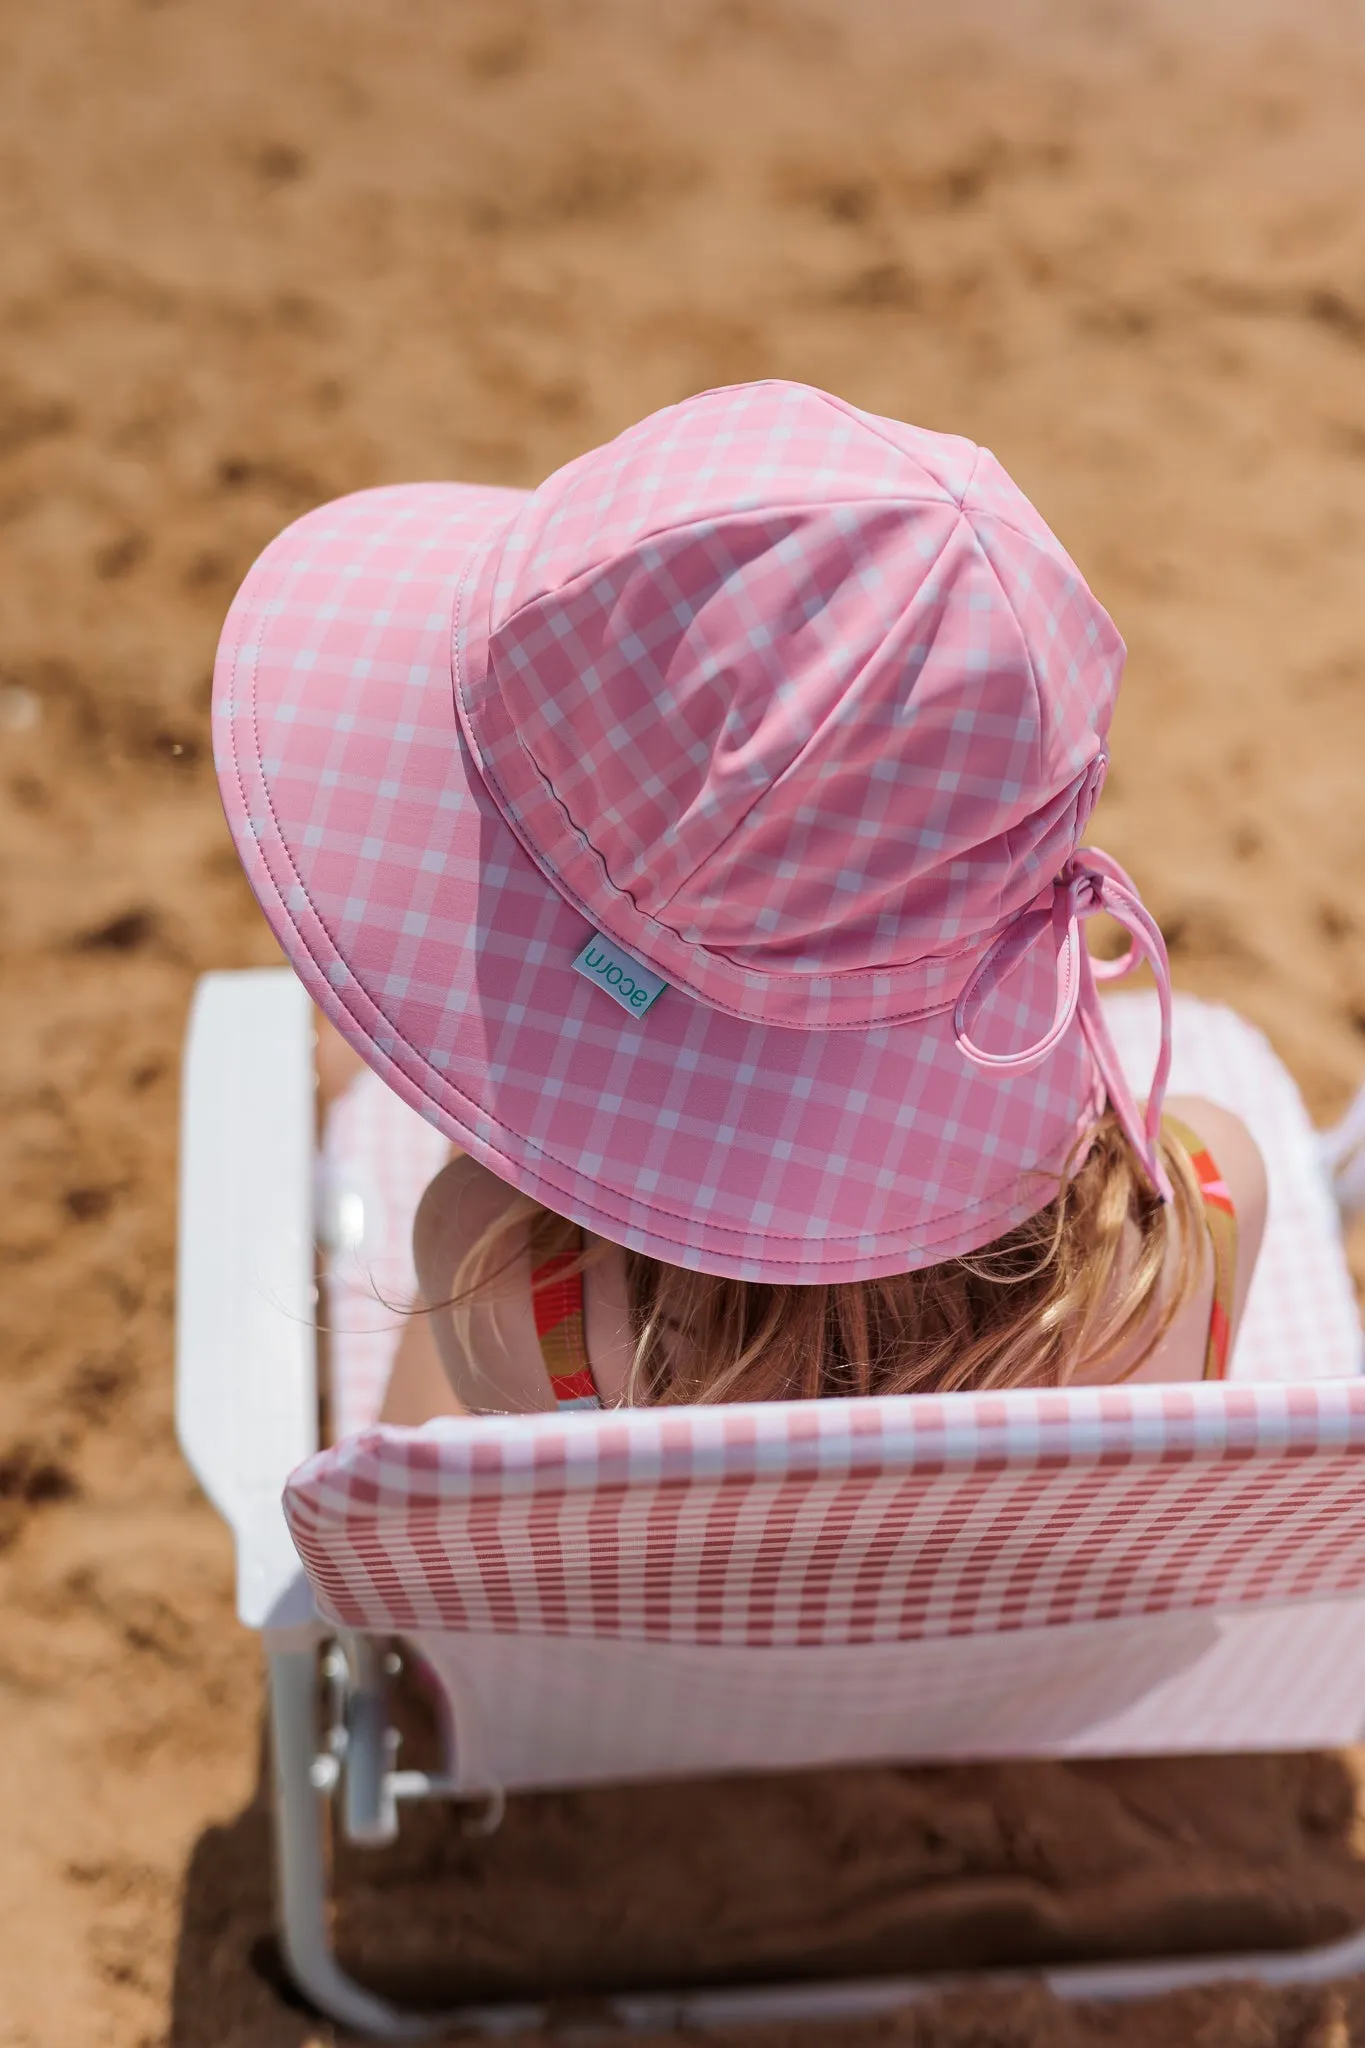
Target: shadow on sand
<point>820,1873</point>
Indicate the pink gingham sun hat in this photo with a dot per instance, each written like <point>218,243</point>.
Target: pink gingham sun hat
<point>693,840</point>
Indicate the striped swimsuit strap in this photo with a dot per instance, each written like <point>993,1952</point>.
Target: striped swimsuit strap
<point>557,1303</point>
<point>1221,1220</point>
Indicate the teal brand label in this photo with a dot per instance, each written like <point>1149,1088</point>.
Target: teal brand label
<point>623,979</point>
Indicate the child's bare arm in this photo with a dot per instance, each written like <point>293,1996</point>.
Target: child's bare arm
<point>501,1370</point>
<point>1239,1161</point>
<point>418,1388</point>
<point>1181,1353</point>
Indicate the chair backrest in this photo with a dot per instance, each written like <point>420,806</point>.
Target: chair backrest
<point>843,1522</point>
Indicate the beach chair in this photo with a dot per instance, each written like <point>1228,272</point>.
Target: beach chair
<point>623,1596</point>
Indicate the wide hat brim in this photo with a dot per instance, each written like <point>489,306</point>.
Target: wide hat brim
<point>444,954</point>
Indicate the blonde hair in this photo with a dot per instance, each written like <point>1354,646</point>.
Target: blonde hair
<point>1060,1288</point>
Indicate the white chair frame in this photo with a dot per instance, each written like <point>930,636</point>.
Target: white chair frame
<point>247,1409</point>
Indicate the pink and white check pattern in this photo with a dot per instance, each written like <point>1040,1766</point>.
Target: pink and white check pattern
<point>1301,1321</point>
<point>822,1524</point>
<point>868,1522</point>
<point>796,702</point>
<point>1174,1501</point>
<point>919,685</point>
<point>570,1710</point>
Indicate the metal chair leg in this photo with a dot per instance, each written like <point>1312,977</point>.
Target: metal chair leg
<point>301,1867</point>
<point>369,1809</point>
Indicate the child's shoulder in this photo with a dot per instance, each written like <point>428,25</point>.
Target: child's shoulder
<point>1235,1153</point>
<point>459,1204</point>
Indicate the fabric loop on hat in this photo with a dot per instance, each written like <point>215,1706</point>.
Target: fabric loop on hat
<point>1089,885</point>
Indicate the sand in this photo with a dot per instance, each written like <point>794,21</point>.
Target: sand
<point>259,254</point>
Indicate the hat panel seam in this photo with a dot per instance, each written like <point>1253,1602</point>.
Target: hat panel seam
<point>850,982</point>
<point>592,915</point>
<point>720,517</point>
<point>1047,731</point>
<point>790,766</point>
<point>1037,749</point>
<point>873,425</point>
<point>548,1165</point>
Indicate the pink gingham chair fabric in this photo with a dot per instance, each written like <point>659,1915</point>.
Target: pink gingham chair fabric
<point>1075,1570</point>
<point>835,1524</point>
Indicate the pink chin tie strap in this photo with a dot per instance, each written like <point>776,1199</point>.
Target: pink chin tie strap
<point>1089,884</point>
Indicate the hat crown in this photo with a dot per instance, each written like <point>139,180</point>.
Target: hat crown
<point>821,692</point>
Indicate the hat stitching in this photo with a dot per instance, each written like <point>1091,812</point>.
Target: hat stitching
<point>852,982</point>
<point>454,1103</point>
<point>778,779</point>
<point>924,1234</point>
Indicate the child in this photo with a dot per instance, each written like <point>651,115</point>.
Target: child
<point>695,842</point>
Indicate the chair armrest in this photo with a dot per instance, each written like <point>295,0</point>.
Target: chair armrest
<point>246,1300</point>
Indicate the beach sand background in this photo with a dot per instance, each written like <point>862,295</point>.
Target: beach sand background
<point>257,255</point>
